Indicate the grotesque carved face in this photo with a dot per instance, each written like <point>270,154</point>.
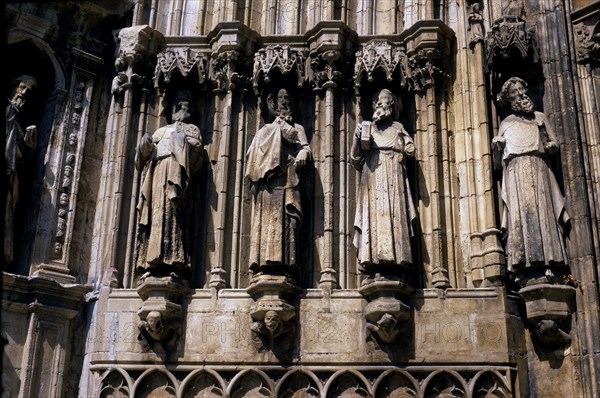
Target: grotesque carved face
<point>22,91</point>
<point>154,321</point>
<point>382,106</point>
<point>272,321</point>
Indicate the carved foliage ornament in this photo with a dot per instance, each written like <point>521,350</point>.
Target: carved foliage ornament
<point>224,71</point>
<point>425,69</point>
<point>185,61</point>
<point>277,57</point>
<point>507,36</point>
<point>588,44</point>
<point>327,69</point>
<point>380,55</point>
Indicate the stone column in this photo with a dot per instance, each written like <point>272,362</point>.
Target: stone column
<point>137,54</point>
<point>428,46</point>
<point>331,47</point>
<point>232,46</point>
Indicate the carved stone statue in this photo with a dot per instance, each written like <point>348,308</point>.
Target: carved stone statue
<point>534,214</point>
<point>276,153</point>
<point>169,158</point>
<point>19,143</point>
<point>385,212</point>
<point>476,23</point>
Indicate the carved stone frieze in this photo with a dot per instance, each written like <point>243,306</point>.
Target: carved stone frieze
<point>381,56</point>
<point>280,58</point>
<point>587,42</point>
<point>226,71</point>
<point>509,38</point>
<point>184,61</point>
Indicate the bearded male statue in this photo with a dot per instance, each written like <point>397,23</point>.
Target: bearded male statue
<point>385,212</point>
<point>277,152</point>
<point>534,215</point>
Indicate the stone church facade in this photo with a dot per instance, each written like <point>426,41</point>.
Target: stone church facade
<point>284,198</point>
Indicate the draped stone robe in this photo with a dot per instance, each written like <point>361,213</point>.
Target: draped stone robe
<point>276,208</point>
<point>385,212</point>
<point>163,212</point>
<point>534,212</point>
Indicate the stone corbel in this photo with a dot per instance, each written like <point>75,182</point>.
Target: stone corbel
<point>161,313</point>
<point>548,312</point>
<point>274,328</point>
<point>386,310</point>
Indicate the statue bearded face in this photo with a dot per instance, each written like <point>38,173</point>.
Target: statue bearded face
<point>280,103</point>
<point>22,91</point>
<point>382,106</point>
<point>272,321</point>
<point>181,111</point>
<point>518,98</point>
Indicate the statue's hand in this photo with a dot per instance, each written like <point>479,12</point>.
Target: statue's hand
<point>551,147</point>
<point>194,143</point>
<point>146,145</point>
<point>358,132</point>
<point>302,158</point>
<point>30,136</point>
<point>409,149</point>
<point>499,143</point>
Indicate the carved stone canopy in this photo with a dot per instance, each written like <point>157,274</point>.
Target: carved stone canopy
<point>183,61</point>
<point>509,40</point>
<point>380,56</point>
<point>587,40</point>
<point>283,59</point>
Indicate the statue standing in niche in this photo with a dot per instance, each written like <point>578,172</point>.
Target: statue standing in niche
<point>385,212</point>
<point>276,153</point>
<point>170,158</point>
<point>534,213</point>
<point>19,143</point>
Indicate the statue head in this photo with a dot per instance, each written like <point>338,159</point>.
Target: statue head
<point>154,320</point>
<point>385,106</point>
<point>280,103</point>
<point>514,93</point>
<point>272,322</point>
<point>23,85</point>
<point>181,106</point>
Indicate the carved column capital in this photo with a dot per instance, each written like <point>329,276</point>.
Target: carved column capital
<point>428,45</point>
<point>280,58</point>
<point>226,71</point>
<point>328,70</point>
<point>382,56</point>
